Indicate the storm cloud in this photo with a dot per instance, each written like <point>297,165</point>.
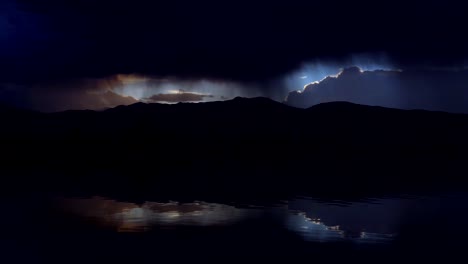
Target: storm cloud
<point>430,89</point>
<point>120,89</point>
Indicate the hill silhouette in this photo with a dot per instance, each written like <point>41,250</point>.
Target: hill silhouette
<point>237,148</point>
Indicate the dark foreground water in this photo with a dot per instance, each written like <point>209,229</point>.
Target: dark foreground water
<point>104,230</point>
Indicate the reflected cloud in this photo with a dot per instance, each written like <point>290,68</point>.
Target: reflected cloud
<point>130,217</point>
<point>312,229</point>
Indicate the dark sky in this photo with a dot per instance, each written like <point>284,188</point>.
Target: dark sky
<point>57,55</point>
<point>239,40</point>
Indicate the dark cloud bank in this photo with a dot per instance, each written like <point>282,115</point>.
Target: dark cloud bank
<point>439,90</point>
<point>179,97</point>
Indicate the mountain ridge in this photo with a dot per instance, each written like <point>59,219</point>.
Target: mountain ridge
<point>237,102</point>
<point>238,147</point>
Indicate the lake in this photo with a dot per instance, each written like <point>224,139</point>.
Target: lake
<point>102,229</point>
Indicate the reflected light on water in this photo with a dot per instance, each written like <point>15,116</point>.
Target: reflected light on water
<point>314,230</point>
<point>129,217</point>
<point>132,217</point>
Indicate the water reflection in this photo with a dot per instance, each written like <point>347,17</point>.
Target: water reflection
<point>130,217</point>
<point>367,220</point>
<point>315,230</point>
<point>312,220</point>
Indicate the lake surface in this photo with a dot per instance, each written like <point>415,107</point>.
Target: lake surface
<point>81,229</point>
<point>370,221</point>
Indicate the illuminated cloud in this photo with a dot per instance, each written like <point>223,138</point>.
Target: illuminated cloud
<point>173,89</point>
<point>130,78</point>
<point>439,90</point>
<point>122,89</point>
<point>317,70</point>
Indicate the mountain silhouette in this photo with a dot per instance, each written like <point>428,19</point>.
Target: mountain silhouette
<point>240,147</point>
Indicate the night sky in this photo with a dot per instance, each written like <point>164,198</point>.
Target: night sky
<point>85,51</point>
